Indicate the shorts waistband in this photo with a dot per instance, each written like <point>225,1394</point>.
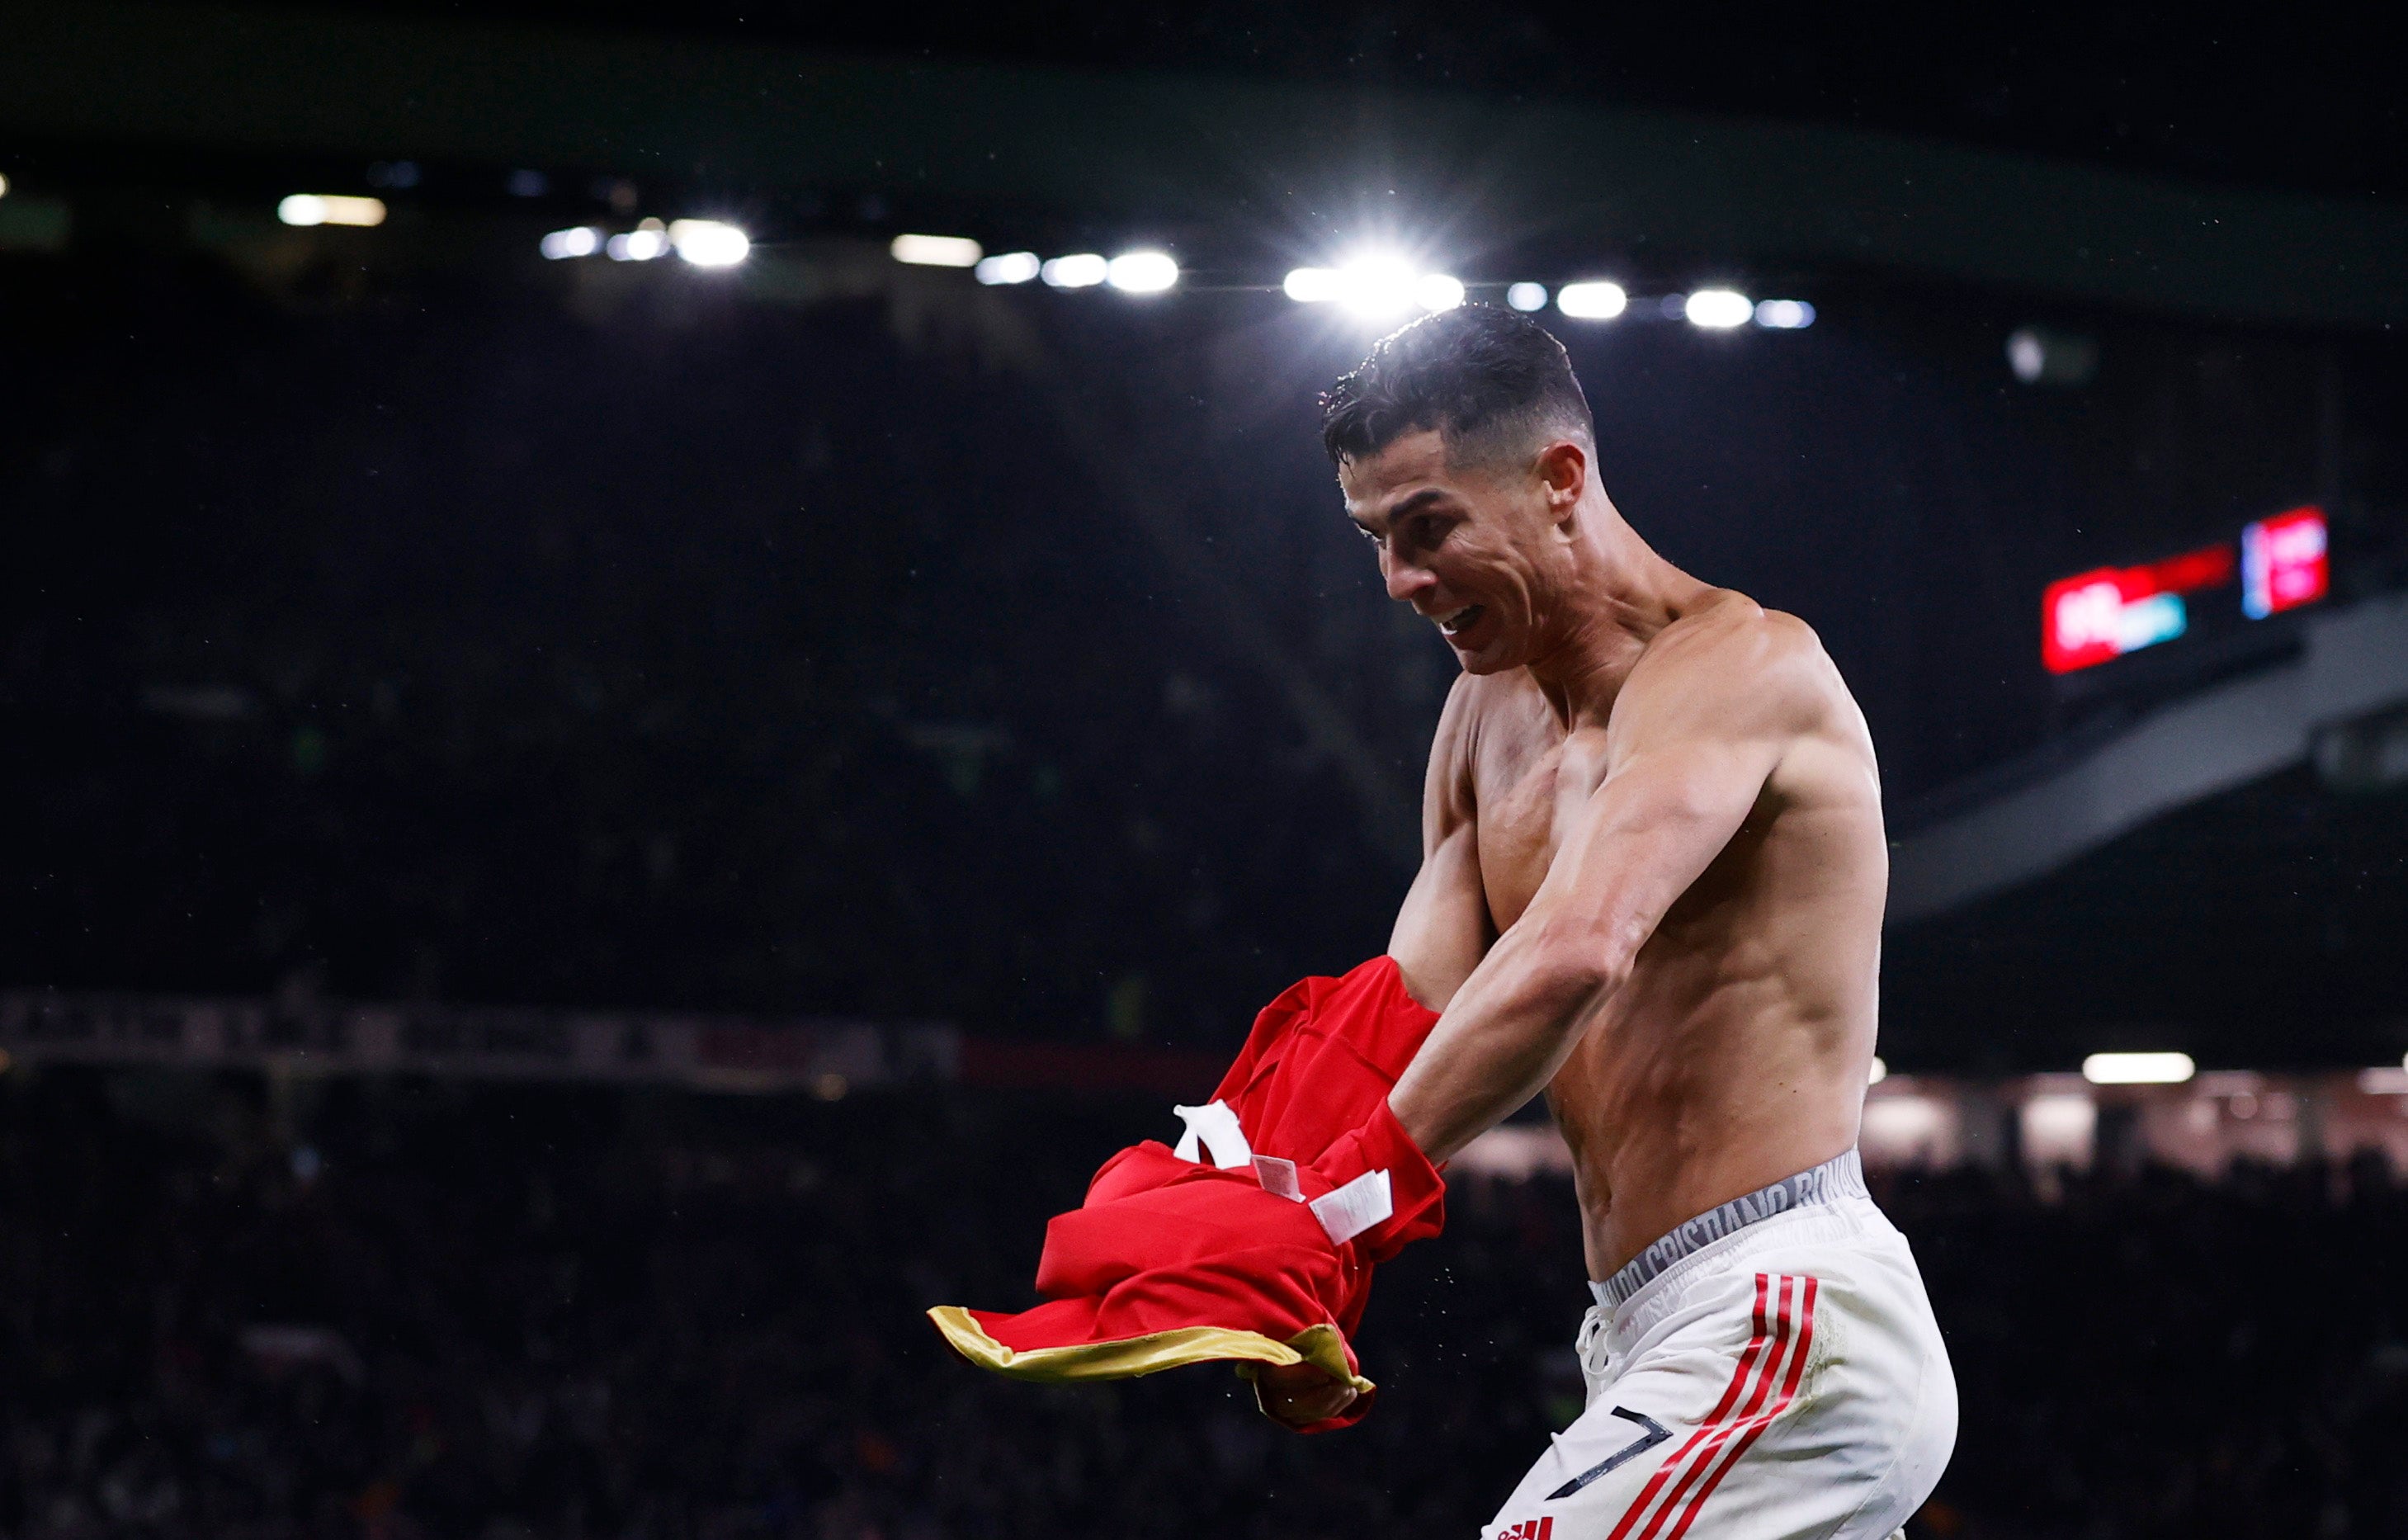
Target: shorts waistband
<point>1841,1176</point>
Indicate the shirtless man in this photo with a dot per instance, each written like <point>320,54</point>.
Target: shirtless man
<point>1651,886</point>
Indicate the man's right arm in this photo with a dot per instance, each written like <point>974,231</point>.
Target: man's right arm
<point>1442,928</point>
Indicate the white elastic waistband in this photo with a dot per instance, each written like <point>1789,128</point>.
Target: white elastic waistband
<point>1840,1176</point>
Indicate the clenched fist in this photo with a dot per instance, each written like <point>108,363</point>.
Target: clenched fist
<point>1298,1394</point>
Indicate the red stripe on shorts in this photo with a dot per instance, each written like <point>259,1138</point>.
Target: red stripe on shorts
<point>1760,1386</point>
<point>1757,1346</point>
<point>1781,1303</point>
<point>1755,1426</point>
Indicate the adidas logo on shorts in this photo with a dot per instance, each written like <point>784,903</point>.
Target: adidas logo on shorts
<point>1528,1528</point>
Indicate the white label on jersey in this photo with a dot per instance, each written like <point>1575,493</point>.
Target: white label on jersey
<point>1278,1177</point>
<point>1216,1126</point>
<point>1356,1207</point>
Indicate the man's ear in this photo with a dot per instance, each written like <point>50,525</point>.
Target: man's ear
<point>1562,469</point>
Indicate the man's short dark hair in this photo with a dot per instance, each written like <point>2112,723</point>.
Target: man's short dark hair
<point>1487,379</point>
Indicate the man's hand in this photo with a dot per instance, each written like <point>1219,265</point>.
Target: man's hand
<point>1299,1395</point>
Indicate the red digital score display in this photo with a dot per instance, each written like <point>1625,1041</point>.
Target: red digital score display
<point>2097,616</point>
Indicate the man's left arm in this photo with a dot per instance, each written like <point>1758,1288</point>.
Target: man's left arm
<point>1696,733</point>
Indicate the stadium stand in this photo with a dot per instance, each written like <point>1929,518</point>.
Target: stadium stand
<point>414,1308</point>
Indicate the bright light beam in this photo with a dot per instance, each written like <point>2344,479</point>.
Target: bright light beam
<point>1079,270</point>
<point>1718,309</point>
<point>710,242</point>
<point>1141,272</point>
<point>936,251</point>
<point>646,240</point>
<point>330,208</point>
<point>1311,285</point>
<point>2138,1068</point>
<point>1438,291</point>
<point>1008,267</point>
<point>1592,301</point>
<point>1376,286</point>
<point>577,241</point>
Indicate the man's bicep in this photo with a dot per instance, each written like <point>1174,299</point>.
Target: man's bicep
<point>1694,743</point>
<point>1442,928</point>
<point>1446,782</point>
<point>1650,830</point>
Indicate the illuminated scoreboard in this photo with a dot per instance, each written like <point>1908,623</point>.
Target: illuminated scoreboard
<point>2283,563</point>
<point>2097,616</point>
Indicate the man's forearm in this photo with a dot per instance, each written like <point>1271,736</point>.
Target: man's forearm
<point>1502,1037</point>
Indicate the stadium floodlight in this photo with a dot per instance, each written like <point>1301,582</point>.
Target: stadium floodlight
<point>577,241</point>
<point>1592,301</point>
<point>1438,291</point>
<point>1784,315</point>
<point>1311,285</point>
<point>2044,355</point>
<point>1079,270</point>
<point>1878,1073</point>
<point>2138,1068</point>
<point>1718,309</point>
<point>710,242</point>
<point>1526,297</point>
<point>936,251</point>
<point>1141,272</point>
<point>647,240</point>
<point>1378,285</point>
<point>1008,267</point>
<point>330,208</point>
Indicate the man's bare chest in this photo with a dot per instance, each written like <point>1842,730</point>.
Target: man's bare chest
<point>1528,791</point>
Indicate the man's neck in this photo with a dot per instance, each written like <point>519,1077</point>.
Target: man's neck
<point>1622,594</point>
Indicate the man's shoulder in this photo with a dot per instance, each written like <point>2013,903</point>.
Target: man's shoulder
<point>1734,652</point>
<point>1730,632</point>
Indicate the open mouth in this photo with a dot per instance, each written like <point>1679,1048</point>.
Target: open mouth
<point>1462,620</point>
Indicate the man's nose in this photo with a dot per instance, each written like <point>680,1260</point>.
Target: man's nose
<point>1405,580</point>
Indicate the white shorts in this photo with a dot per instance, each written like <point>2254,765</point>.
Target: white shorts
<point>1770,1371</point>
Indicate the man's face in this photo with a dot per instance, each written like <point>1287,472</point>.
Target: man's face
<point>1474,549</point>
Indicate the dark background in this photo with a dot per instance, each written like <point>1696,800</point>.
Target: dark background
<point>392,614</point>
<point>2242,95</point>
<point>492,633</point>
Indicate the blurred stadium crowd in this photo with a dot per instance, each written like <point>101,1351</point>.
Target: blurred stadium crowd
<point>449,644</point>
<point>422,1310</point>
<point>942,654</point>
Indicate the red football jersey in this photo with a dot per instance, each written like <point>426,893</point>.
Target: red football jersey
<point>1171,1262</point>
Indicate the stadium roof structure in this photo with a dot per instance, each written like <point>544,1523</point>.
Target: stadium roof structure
<point>1302,163</point>
<point>2352,671</point>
